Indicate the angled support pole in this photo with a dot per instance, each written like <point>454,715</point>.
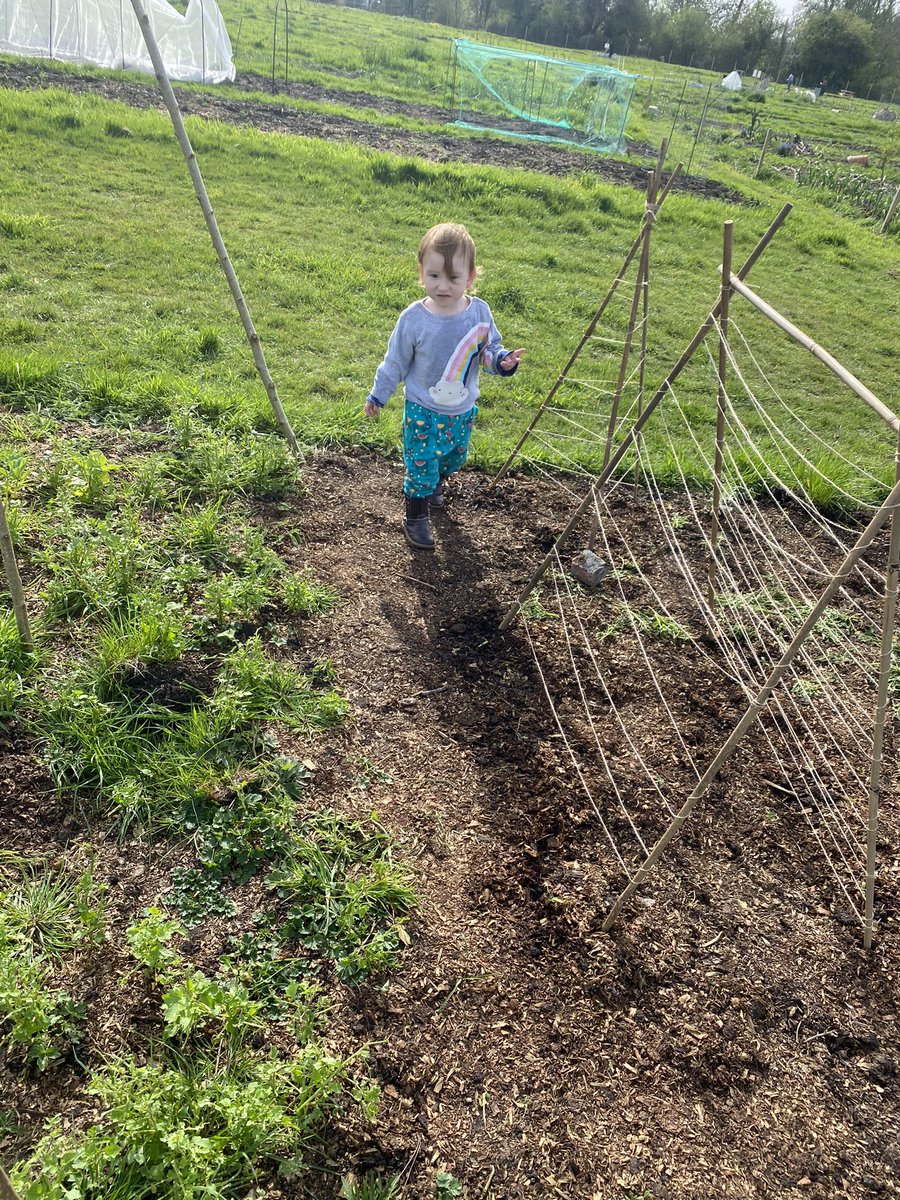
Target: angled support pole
<point>588,333</point>
<point>627,442</point>
<point>14,583</point>
<point>190,158</point>
<point>888,621</point>
<point>754,709</point>
<point>721,397</point>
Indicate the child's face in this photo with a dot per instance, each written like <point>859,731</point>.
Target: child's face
<point>446,292</point>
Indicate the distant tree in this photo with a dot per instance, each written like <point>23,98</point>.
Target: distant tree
<point>627,25</point>
<point>832,46</point>
<point>687,36</point>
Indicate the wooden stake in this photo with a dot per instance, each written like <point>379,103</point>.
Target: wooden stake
<point>14,581</point>
<point>889,216</point>
<point>7,1191</point>
<point>727,247</point>
<point>754,709</point>
<point>699,130</point>
<point>632,434</point>
<point>881,707</point>
<point>561,378</point>
<point>762,153</point>
<point>200,189</point>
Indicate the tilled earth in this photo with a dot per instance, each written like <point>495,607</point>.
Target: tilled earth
<point>728,1039</point>
<point>273,117</point>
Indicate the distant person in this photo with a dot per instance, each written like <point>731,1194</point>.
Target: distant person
<point>820,87</point>
<point>437,348</point>
<point>790,81</point>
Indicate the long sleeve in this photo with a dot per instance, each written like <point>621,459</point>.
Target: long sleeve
<point>397,361</point>
<point>493,354</point>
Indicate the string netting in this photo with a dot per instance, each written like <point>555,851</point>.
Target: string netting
<point>542,98</point>
<point>662,662</point>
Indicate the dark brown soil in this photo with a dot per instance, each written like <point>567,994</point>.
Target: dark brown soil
<point>729,1039</point>
<point>273,117</point>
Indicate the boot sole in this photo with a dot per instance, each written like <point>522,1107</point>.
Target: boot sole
<point>417,545</point>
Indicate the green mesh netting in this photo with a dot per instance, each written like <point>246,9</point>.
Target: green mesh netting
<point>545,99</point>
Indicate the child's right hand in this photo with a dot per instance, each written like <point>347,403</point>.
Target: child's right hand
<point>373,410</point>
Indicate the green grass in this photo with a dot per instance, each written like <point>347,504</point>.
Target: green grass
<point>307,263</point>
<point>46,919</point>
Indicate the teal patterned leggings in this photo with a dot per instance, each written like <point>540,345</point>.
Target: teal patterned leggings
<point>434,446</point>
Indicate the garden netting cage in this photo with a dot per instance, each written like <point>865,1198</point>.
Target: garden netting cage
<point>542,98</point>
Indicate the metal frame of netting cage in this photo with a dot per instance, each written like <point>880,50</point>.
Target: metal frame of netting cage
<point>541,98</point>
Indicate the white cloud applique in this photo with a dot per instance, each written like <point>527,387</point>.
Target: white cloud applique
<point>449,393</point>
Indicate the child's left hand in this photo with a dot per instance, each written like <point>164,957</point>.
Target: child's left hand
<point>511,359</point>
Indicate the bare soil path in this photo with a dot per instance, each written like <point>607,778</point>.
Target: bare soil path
<point>729,1040</point>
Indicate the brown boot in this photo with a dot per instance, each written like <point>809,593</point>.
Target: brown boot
<point>416,525</point>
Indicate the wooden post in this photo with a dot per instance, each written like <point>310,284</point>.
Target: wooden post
<point>595,320</point>
<point>632,434</point>
<point>881,517</point>
<point>14,581</point>
<point>889,216</point>
<point>727,248</point>
<point>762,153</point>
<point>881,706</point>
<point>212,226</point>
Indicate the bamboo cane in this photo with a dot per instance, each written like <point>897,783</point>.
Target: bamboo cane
<point>881,705</point>
<point>14,581</point>
<point>629,439</point>
<point>637,295</point>
<point>728,244</point>
<point>889,216</point>
<point>881,517</point>
<point>629,332</point>
<point>677,108</point>
<point>200,189</point>
<point>762,153</point>
<point>7,1191</point>
<point>817,352</point>
<point>687,169</point>
<point>595,320</point>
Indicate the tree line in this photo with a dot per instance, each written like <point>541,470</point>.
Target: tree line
<point>835,44</point>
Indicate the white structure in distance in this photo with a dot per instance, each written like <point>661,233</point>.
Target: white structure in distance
<point>195,47</point>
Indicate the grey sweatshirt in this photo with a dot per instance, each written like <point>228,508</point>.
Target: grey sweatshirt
<point>438,358</point>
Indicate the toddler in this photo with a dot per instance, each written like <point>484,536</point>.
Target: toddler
<point>436,349</point>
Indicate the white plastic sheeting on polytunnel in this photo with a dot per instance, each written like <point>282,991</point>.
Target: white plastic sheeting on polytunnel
<point>194,46</point>
<point>732,82</point>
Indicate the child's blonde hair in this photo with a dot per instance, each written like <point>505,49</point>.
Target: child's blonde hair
<point>448,240</point>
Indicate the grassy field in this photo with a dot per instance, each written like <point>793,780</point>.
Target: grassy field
<point>412,60</point>
<point>108,274</point>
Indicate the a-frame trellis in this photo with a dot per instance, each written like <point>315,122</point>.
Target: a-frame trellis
<point>733,284</point>
<point>640,302</point>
